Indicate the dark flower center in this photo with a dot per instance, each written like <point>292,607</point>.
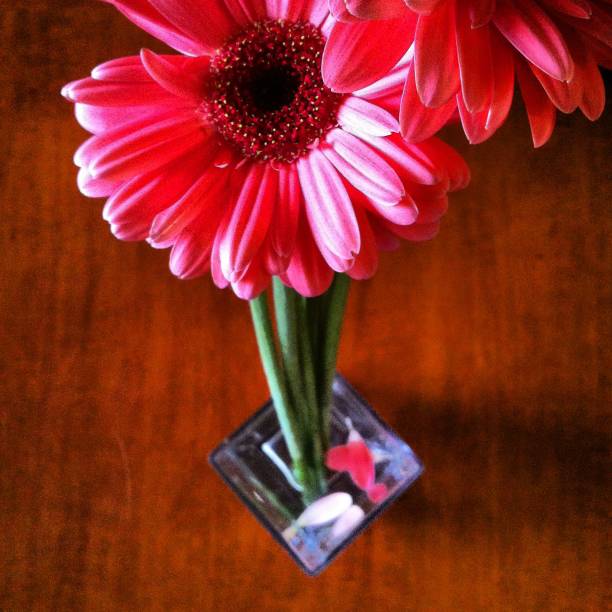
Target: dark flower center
<point>272,88</point>
<point>265,92</point>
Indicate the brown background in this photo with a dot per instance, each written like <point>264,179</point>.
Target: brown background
<point>488,349</point>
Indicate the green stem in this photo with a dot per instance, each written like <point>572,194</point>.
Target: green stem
<point>297,357</point>
<point>274,375</point>
<point>310,387</point>
<point>333,314</point>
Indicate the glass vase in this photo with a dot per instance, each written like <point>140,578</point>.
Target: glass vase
<point>255,463</point>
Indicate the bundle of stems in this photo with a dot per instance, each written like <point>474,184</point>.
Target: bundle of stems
<point>300,365</point>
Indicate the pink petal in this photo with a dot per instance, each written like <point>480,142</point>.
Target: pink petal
<point>376,9</point>
<point>359,116</point>
<point>95,188</point>
<point>145,149</point>
<point>108,93</point>
<point>140,199</point>
<point>284,9</point>
<point>354,458</point>
<point>122,167</point>
<point>340,12</point>
<point>475,65</point>
<point>365,169</point>
<point>423,6</point>
<point>284,227</point>
<point>215,257</point>
<point>366,263</point>
<point>442,155</point>
<point>316,11</point>
<point>101,119</point>
<point>178,80</point>
<point>535,36</point>
<point>432,210</point>
<point>559,92</point>
<point>250,220</point>
<point>593,99</point>
<point>328,206</point>
<point>308,273</point>
<point>435,56</point>
<point>252,283</point>
<point>91,147</point>
<point>359,54</point>
<point>209,23</point>
<point>540,109</point>
<point>574,8</point>
<point>201,199</point>
<point>122,70</point>
<point>407,159</point>
<point>480,126</point>
<point>418,121</point>
<point>246,11</point>
<point>273,263</point>
<point>146,17</point>
<point>190,257</point>
<point>378,493</point>
<point>390,84</point>
<point>481,12</point>
<point>404,213</point>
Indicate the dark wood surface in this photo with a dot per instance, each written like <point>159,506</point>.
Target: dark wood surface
<point>487,349</point>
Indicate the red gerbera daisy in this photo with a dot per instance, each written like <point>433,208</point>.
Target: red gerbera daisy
<point>237,156</point>
<point>466,54</point>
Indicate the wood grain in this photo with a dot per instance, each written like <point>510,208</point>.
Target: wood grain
<point>488,349</point>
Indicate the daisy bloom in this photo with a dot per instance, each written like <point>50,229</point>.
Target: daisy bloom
<point>465,55</point>
<point>238,157</point>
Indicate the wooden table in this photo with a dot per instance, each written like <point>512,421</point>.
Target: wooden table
<point>487,349</point>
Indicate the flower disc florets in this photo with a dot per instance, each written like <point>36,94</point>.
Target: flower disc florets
<point>265,93</point>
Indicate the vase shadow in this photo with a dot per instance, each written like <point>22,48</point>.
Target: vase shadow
<point>509,465</point>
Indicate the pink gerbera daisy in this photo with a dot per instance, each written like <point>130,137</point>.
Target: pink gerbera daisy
<point>237,156</point>
<point>466,54</point>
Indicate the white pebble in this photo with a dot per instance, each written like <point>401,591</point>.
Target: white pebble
<point>325,510</point>
<point>347,522</point>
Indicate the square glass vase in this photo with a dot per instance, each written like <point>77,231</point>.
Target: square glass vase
<point>255,463</point>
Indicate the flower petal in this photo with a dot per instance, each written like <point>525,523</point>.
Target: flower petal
<point>140,199</point>
<point>95,188</point>
<point>359,116</point>
<point>418,121</point>
<point>475,64</point>
<point>329,208</point>
<point>201,199</point>
<point>535,36</point>
<point>423,6</point>
<point>365,169</point>
<point>284,227</point>
<point>435,56</point>
<point>376,9</point>
<point>109,93</point>
<point>358,54</point>
<point>540,109</point>
<point>147,18</point>
<point>408,160</point>
<point>250,220</point>
<point>145,149</point>
<point>308,273</point>
<point>208,23</point>
<point>366,263</point>
<point>182,81</point>
<point>481,12</point>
